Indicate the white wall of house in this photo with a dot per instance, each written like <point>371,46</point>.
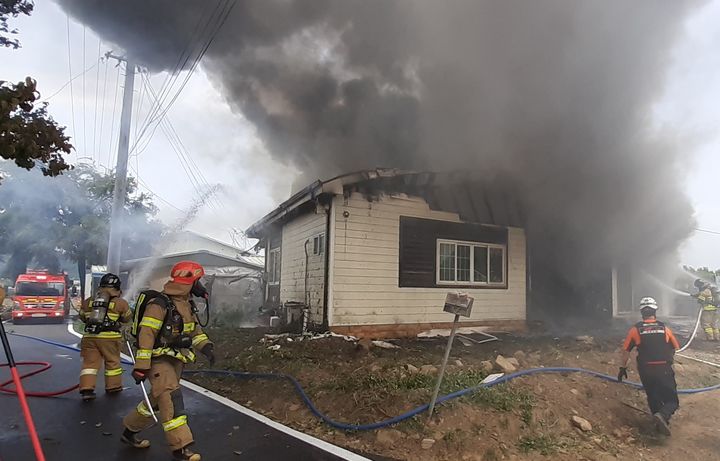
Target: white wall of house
<point>364,269</point>
<point>293,263</point>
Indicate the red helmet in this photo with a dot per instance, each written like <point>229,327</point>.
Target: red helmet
<point>186,272</point>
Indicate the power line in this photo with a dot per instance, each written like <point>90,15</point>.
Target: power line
<point>102,111</point>
<point>112,125</point>
<point>72,99</point>
<point>65,85</point>
<point>97,89</point>
<point>84,111</point>
<point>707,231</point>
<point>155,115</point>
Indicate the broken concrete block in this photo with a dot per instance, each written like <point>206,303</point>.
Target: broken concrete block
<point>428,370</point>
<point>581,423</point>
<point>459,363</point>
<point>427,444</point>
<point>504,365</point>
<point>389,437</point>
<point>487,366</point>
<point>411,368</point>
<point>514,362</point>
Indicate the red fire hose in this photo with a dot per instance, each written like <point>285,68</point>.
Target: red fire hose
<point>39,455</point>
<point>44,366</point>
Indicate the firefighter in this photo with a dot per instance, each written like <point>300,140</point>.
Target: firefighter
<point>656,345</point>
<point>167,336</point>
<point>704,297</point>
<point>103,316</point>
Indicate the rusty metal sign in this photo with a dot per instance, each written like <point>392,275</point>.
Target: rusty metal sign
<point>459,304</point>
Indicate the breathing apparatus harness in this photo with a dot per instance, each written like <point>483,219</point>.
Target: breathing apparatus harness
<point>98,321</point>
<point>171,332</point>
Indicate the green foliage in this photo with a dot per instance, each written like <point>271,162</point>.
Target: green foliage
<point>28,135</point>
<point>8,9</point>
<point>69,216</point>
<point>544,444</point>
<point>506,398</point>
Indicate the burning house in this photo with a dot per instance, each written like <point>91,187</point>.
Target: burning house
<point>546,107</point>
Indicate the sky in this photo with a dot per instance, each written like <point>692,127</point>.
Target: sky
<point>224,147</point>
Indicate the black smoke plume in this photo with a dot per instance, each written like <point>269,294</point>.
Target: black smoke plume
<point>556,95</point>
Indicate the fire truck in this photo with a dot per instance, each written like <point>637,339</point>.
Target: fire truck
<point>41,295</point>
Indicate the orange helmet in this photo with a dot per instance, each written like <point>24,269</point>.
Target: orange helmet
<point>186,272</point>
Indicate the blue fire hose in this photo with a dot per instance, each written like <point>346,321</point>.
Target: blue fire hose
<point>414,412</point>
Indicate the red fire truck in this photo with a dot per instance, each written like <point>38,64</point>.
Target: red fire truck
<point>41,295</point>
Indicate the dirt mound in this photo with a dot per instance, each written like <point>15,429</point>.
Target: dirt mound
<point>530,418</point>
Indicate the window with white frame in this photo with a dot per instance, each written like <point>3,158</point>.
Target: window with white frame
<point>470,263</point>
<point>319,244</point>
<point>274,266</point>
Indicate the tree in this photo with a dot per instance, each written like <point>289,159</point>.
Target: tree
<point>28,135</point>
<point>69,217</point>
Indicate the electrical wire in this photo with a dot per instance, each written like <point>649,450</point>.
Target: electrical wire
<point>65,85</point>
<point>72,98</point>
<point>84,111</point>
<point>97,90</point>
<point>102,110</point>
<point>707,231</point>
<point>112,124</point>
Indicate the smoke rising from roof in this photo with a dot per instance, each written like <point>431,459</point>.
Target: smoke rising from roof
<point>556,95</point>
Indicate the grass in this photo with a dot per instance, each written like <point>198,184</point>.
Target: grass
<point>505,398</point>
<point>544,444</point>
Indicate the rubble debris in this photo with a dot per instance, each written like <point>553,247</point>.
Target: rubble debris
<point>428,370</point>
<point>464,341</point>
<point>276,347</point>
<point>459,363</point>
<point>504,365</point>
<point>294,407</point>
<point>384,345</point>
<point>427,444</point>
<point>389,437</point>
<point>514,362</point>
<point>519,355</point>
<point>581,423</point>
<point>487,366</point>
<point>492,377</point>
<point>412,368</point>
<point>585,339</point>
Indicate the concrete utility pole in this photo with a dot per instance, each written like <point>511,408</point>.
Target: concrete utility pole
<point>116,224</point>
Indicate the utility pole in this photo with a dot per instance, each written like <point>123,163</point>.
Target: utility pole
<point>116,224</point>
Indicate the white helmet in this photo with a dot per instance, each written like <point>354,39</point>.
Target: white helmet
<point>648,302</point>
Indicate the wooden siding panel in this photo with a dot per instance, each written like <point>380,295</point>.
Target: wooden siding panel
<point>293,268</point>
<point>366,267</point>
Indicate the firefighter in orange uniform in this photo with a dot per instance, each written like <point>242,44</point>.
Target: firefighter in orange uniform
<point>103,316</point>
<point>656,345</point>
<point>168,333</point>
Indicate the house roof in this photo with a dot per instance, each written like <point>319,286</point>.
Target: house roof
<point>471,194</point>
<point>203,257</point>
<point>334,186</point>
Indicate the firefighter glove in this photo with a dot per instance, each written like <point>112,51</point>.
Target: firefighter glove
<point>622,374</point>
<point>209,351</point>
<point>139,376</point>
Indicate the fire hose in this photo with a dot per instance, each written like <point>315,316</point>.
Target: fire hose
<point>695,330</point>
<point>410,414</point>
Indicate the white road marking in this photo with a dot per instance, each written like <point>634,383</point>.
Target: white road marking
<point>310,440</point>
<point>323,445</point>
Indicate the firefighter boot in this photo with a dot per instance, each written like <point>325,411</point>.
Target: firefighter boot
<point>661,425</point>
<point>186,454</point>
<point>88,395</point>
<point>129,437</point>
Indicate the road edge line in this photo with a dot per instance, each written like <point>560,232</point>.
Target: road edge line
<point>309,439</point>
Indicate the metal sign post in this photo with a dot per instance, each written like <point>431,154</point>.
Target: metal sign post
<point>459,304</point>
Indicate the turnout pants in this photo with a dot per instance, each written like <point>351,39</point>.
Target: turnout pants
<point>98,351</point>
<point>167,400</point>
<point>710,324</point>
<point>660,388</point>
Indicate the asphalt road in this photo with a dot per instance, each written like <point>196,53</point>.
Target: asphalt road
<point>71,430</point>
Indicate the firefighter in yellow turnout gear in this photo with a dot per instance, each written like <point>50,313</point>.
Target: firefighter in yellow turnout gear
<point>168,334</point>
<point>710,310</point>
<point>103,316</point>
